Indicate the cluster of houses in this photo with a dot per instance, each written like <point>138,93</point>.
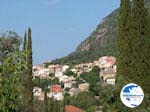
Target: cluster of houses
<point>107,74</point>
<point>108,69</point>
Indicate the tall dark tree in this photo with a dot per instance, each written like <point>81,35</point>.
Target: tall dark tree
<point>123,42</point>
<point>29,64</point>
<point>24,103</point>
<point>133,42</point>
<point>141,47</point>
<point>25,41</point>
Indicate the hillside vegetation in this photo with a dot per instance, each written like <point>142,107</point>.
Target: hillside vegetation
<point>101,42</point>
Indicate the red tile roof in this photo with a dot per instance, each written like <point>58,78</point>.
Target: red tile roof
<point>70,108</point>
<point>110,60</point>
<point>56,88</point>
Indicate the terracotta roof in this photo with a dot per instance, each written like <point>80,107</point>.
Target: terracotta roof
<point>109,60</point>
<point>56,88</point>
<point>70,108</point>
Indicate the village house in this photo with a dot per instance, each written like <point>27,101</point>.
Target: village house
<point>107,73</point>
<point>67,80</point>
<point>85,66</point>
<point>58,74</point>
<point>43,76</point>
<point>64,78</point>
<point>40,71</point>
<point>96,63</point>
<point>74,70</point>
<point>80,72</point>
<point>68,84</point>
<point>52,68</point>
<point>56,93</point>
<point>107,62</point>
<point>65,67</point>
<point>111,80</point>
<point>37,93</point>
<point>36,69</point>
<point>70,108</point>
<point>115,67</point>
<point>74,91</point>
<point>83,86</point>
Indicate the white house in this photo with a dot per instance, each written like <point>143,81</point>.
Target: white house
<point>64,78</point>
<point>106,61</point>
<point>115,68</point>
<point>111,81</point>
<point>68,84</point>
<point>65,67</point>
<point>107,73</point>
<point>43,76</point>
<point>58,74</point>
<point>83,86</point>
<point>74,70</point>
<point>37,93</point>
<point>56,93</point>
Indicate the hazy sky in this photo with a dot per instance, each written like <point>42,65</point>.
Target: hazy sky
<point>58,26</point>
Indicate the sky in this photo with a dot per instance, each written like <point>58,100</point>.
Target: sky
<point>58,26</point>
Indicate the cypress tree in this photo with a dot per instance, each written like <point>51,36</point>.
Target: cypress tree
<point>45,100</point>
<point>123,42</point>
<point>141,46</point>
<point>25,42</point>
<point>29,64</point>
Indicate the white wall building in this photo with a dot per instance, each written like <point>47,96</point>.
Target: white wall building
<point>68,84</point>
<point>37,93</point>
<point>56,93</point>
<point>106,61</point>
<point>65,67</point>
<point>111,81</point>
<point>83,86</point>
<point>58,74</point>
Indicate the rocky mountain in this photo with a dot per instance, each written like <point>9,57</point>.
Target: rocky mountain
<point>102,41</point>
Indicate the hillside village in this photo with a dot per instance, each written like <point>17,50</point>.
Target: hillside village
<point>69,78</point>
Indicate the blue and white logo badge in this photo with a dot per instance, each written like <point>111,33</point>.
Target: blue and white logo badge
<point>132,95</point>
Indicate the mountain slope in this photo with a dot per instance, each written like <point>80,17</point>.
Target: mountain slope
<point>101,42</point>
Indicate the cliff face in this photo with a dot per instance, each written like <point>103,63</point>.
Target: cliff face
<point>105,33</point>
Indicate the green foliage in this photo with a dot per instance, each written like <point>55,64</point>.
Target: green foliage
<point>83,100</point>
<point>110,98</point>
<point>67,99</point>
<point>124,50</point>
<point>95,69</point>
<point>140,50</point>
<point>10,71</point>
<point>57,106</point>
<point>42,83</point>
<point>79,80</point>
<point>69,73</point>
<point>93,79</point>
<point>133,60</point>
<point>90,109</point>
<point>8,40</point>
<point>55,81</point>
<point>39,106</point>
<point>92,76</point>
